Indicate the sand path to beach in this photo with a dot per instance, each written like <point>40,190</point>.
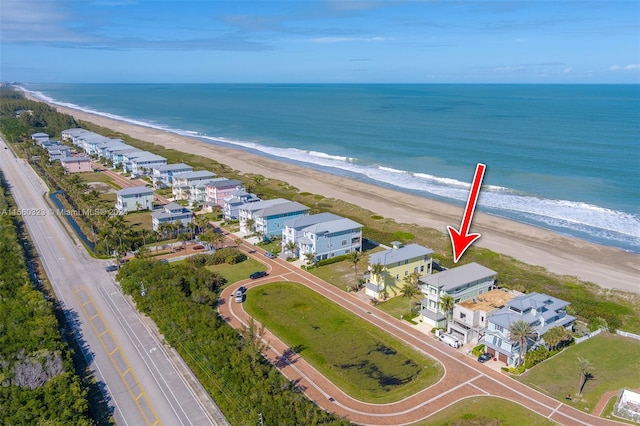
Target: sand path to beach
<point>606,266</point>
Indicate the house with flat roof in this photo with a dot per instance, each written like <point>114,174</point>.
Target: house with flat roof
<point>397,263</point>
<point>231,204</point>
<point>217,190</point>
<point>171,213</point>
<point>134,199</point>
<point>267,217</point>
<point>76,164</point>
<point>162,175</point>
<point>469,319</point>
<point>542,311</point>
<point>462,283</point>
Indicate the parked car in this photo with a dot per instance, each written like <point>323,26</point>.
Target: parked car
<point>270,255</point>
<point>111,268</point>
<point>485,357</point>
<point>239,296</point>
<point>258,274</point>
<point>450,340</point>
<point>242,288</point>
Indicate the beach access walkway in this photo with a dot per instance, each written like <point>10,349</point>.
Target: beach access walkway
<point>463,378</point>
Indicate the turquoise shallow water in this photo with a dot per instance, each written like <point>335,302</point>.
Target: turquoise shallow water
<point>563,157</point>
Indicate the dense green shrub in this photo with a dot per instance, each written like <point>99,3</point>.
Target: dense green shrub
<point>478,350</point>
<point>331,260</point>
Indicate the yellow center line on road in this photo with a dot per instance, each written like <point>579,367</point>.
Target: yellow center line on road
<point>129,370</point>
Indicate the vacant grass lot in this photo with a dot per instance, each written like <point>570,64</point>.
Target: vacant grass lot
<point>239,271</point>
<point>359,358</point>
<point>486,411</point>
<point>615,364</point>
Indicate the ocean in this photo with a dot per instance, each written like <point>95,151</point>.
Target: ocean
<point>561,157</point>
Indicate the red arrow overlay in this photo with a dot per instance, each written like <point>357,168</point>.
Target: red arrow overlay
<point>462,240</point>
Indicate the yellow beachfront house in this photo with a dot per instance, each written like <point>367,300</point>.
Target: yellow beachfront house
<point>387,269</point>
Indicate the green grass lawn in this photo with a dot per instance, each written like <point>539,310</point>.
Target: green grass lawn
<point>359,358</point>
<point>486,411</point>
<point>615,364</point>
<point>239,271</point>
<point>141,219</point>
<point>96,177</point>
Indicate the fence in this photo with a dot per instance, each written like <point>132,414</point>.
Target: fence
<point>625,334</point>
<point>588,336</point>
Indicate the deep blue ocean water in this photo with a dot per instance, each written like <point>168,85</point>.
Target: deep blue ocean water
<point>562,157</point>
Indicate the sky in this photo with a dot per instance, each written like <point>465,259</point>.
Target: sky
<point>309,41</point>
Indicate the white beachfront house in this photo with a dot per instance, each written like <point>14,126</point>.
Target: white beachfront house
<point>324,235</point>
<point>171,213</point>
<point>182,182</point>
<point>134,199</point>
<point>462,283</point>
<point>162,176</point>
<point>143,164</point>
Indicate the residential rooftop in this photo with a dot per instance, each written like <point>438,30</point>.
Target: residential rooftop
<point>395,255</point>
<point>494,299</point>
<point>135,190</point>
<point>456,277</point>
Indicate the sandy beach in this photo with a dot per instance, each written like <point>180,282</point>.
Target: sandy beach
<point>606,266</point>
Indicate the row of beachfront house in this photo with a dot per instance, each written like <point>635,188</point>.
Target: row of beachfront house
<point>62,153</point>
<point>135,161</point>
<point>481,313</point>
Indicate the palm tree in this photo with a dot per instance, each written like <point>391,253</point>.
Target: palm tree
<point>191,227</point>
<point>184,237</point>
<point>556,336</point>
<point>164,229</point>
<point>584,365</point>
<point>238,241</point>
<point>310,258</point>
<point>355,257</point>
<point>409,290</point>
<point>202,222</point>
<point>376,270</point>
<point>291,246</point>
<point>447,302</point>
<point>521,332</point>
<point>208,237</point>
<point>249,223</point>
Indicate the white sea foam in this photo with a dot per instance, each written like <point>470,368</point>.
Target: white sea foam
<point>572,217</point>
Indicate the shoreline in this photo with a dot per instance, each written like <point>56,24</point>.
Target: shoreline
<point>605,266</point>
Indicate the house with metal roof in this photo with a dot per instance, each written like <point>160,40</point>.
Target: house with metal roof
<point>231,204</point>
<point>217,190</point>
<point>331,238</point>
<point>267,217</point>
<point>171,213</point>
<point>57,151</point>
<point>182,183</point>
<point>40,137</point>
<point>142,164</point>
<point>397,263</point>
<point>462,283</point>
<point>134,199</point>
<point>162,175</point>
<point>542,311</point>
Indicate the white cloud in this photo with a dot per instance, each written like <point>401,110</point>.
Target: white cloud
<point>345,39</point>
<point>511,68</point>
<point>629,67</point>
<point>567,70</point>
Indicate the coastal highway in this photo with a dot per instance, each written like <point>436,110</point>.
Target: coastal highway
<point>145,382</point>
